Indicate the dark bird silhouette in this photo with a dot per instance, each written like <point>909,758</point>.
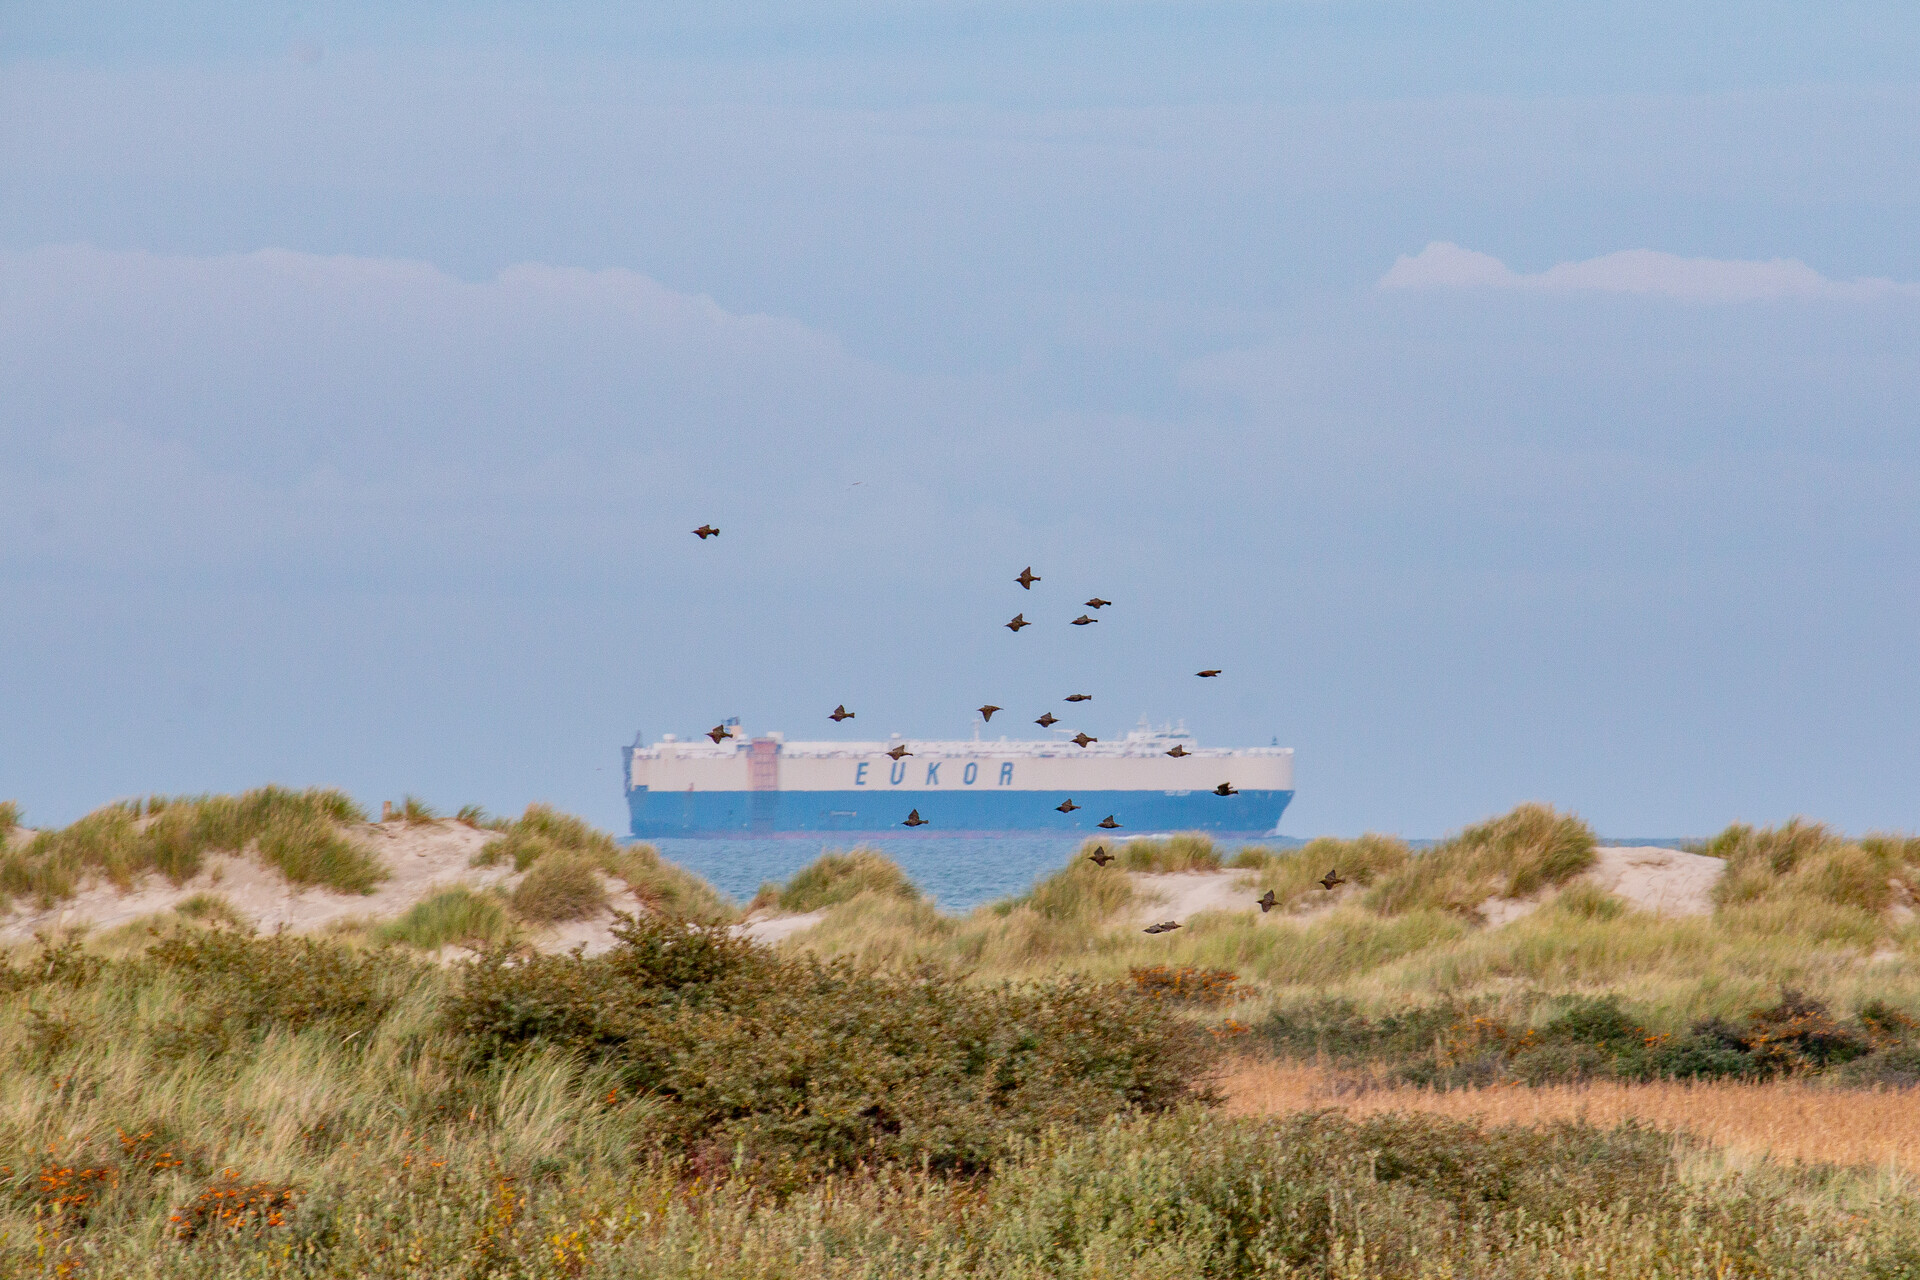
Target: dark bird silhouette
<point>900,750</point>
<point>1226,789</point>
<point>1027,578</point>
<point>913,819</point>
<point>718,732</point>
<point>986,712</point>
<point>1331,879</point>
<point>1079,697</point>
<point>1179,749</point>
<point>1100,857</point>
<point>1083,620</point>
<point>1107,822</point>
<point>1209,673</point>
<point>1098,603</point>
<point>1082,738</point>
<point>1165,926</point>
<point>1067,806</point>
<point>1047,720</point>
<point>706,531</point>
<point>1019,621</point>
<point>1267,901</point>
<point>841,713</point>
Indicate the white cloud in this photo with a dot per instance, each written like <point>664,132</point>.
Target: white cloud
<point>1442,265</point>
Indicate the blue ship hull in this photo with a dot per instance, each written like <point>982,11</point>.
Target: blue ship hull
<point>678,814</point>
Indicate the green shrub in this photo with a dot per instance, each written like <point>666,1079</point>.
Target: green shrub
<point>834,878</point>
<point>453,916</point>
<point>1512,856</point>
<point>257,984</point>
<point>793,1064</point>
<point>560,887</point>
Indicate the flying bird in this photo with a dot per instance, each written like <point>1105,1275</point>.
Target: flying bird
<point>841,713</point>
<point>1067,806</point>
<point>1331,879</point>
<point>1047,720</point>
<point>1079,697</point>
<point>1179,749</point>
<point>1082,738</point>
<point>1019,621</point>
<point>1107,822</point>
<point>913,819</point>
<point>986,712</point>
<point>706,531</point>
<point>1165,926</point>
<point>1098,603</point>
<point>1208,674</point>
<point>1226,789</point>
<point>1027,578</point>
<point>1083,620</point>
<point>718,732</point>
<point>900,750</point>
<point>1100,857</point>
<point>1267,901</point>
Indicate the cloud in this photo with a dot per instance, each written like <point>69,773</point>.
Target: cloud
<point>1647,272</point>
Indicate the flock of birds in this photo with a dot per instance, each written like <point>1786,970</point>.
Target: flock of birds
<point>1099,857</point>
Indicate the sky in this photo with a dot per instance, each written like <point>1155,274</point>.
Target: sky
<point>1517,402</point>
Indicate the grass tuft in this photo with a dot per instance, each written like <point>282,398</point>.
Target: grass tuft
<point>563,886</point>
<point>835,877</point>
<point>453,916</point>
<point>543,831</point>
<point>414,811</point>
<point>1512,856</point>
<point>1187,851</point>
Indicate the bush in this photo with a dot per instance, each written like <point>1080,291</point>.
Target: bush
<point>560,887</point>
<point>256,984</point>
<point>834,878</point>
<point>1513,856</point>
<point>789,1065</point>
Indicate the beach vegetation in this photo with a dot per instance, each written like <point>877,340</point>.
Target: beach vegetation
<point>558,888</point>
<point>458,916</point>
<point>836,877</point>
<point>542,831</point>
<point>1516,855</point>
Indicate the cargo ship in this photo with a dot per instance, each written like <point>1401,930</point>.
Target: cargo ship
<point>1153,780</point>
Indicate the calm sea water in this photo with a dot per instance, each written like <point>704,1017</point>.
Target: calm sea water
<point>957,872</point>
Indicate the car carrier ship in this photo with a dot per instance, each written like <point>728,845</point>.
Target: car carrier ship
<point>754,785</point>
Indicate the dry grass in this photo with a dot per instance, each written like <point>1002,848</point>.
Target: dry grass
<point>1512,856</point>
<point>1785,1120</point>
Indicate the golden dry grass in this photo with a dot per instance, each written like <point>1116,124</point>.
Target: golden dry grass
<point>1784,1120</point>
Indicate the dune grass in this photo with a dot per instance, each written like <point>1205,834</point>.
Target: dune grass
<point>296,831</point>
<point>835,877</point>
<point>1808,863</point>
<point>456,916</point>
<point>557,888</point>
<point>543,830</point>
<point>1512,856</point>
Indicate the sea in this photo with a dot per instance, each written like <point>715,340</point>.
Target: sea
<point>959,873</point>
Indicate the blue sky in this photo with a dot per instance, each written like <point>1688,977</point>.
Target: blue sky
<point>1517,405</point>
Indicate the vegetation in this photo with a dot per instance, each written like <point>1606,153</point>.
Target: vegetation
<point>452,917</point>
<point>543,831</point>
<point>834,878</point>
<point>1512,856</point>
<point>296,831</point>
<point>559,887</point>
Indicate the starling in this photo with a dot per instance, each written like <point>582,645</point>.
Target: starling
<point>1165,926</point>
<point>1082,738</point>
<point>1083,620</point>
<point>900,750</point>
<point>986,712</point>
<point>841,713</point>
<point>1226,789</point>
<point>1107,822</point>
<point>1179,750</point>
<point>718,732</point>
<point>913,819</point>
<point>1019,621</point>
<point>1027,578</point>
<point>1267,901</point>
<point>1098,603</point>
<point>1209,673</point>
<point>705,531</point>
<point>1067,806</point>
<point>1047,720</point>
<point>1331,879</point>
<point>1100,857</point>
<point>1079,697</point>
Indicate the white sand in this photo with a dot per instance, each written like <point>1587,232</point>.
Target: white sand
<point>1175,895</point>
<point>770,929</point>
